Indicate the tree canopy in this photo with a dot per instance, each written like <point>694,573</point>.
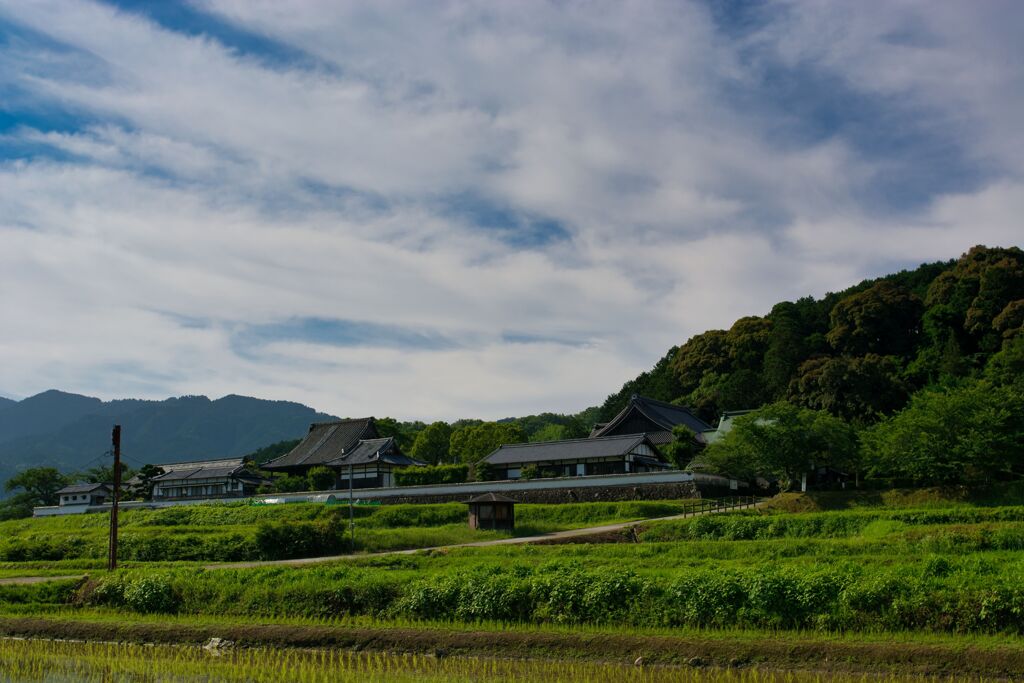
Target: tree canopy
<point>431,444</point>
<point>470,444</point>
<point>859,354</point>
<point>972,432</point>
<point>782,441</point>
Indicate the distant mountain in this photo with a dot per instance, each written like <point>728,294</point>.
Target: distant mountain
<point>5,402</point>
<point>72,432</point>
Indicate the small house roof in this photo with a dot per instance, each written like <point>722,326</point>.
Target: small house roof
<point>490,498</point>
<point>326,441</point>
<point>82,488</point>
<point>569,449</point>
<point>370,451</point>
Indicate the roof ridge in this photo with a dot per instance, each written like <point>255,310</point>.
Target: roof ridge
<point>340,421</point>
<point>582,438</point>
<point>194,462</point>
<point>665,403</point>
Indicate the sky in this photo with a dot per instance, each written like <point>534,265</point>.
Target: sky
<point>434,210</point>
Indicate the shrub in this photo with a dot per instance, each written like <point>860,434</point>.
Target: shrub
<point>151,593</point>
<point>320,478</point>
<point>281,541</point>
<point>434,474</point>
<point>290,484</point>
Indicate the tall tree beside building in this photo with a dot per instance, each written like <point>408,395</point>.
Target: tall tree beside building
<point>783,441</point>
<point>469,444</point>
<point>431,444</point>
<point>33,487</point>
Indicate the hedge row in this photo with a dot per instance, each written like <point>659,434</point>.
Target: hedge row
<point>434,474</point>
<point>827,599</point>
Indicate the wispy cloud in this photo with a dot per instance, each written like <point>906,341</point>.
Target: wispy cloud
<point>437,210</point>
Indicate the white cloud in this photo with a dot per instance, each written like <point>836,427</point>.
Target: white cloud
<point>207,183</point>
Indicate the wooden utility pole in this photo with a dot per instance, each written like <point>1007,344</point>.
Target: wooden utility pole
<point>351,511</point>
<point>112,551</point>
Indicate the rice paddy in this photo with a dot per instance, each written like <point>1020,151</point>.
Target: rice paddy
<point>28,661</point>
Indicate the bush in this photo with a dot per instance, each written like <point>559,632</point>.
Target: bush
<point>434,474</point>
<point>320,478</point>
<point>151,593</point>
<point>277,541</point>
<point>290,484</point>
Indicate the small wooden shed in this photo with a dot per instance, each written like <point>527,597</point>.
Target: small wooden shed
<point>492,512</point>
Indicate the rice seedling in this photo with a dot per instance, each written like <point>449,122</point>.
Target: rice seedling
<point>33,661</point>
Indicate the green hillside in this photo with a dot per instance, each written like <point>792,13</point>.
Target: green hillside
<point>859,354</point>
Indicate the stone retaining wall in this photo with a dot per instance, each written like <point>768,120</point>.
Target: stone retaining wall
<point>595,494</point>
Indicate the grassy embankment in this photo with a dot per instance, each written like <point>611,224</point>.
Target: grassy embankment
<point>777,589</point>
<point>239,532</point>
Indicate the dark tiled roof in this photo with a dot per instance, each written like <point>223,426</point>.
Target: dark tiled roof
<point>198,473</point>
<point>664,415</point>
<point>571,449</point>
<point>369,451</point>
<point>491,498</point>
<point>326,441</point>
<point>195,464</point>
<point>82,488</point>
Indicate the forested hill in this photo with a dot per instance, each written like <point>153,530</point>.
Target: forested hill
<point>69,431</point>
<point>860,353</point>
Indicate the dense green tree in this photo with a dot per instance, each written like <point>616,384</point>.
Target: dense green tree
<point>571,427</point>
<point>469,444</point>
<point>782,441</point>
<point>431,444</point>
<point>1010,321</point>
<point>320,478</point>
<point>860,389</point>
<point>785,349</point>
<point>737,390</point>
<point>290,483</point>
<point>404,433</point>
<point>701,354</point>
<point>973,432</point>
<point>551,432</point>
<point>683,448</point>
<point>31,488</point>
<point>40,484</point>
<point>968,298</point>
<point>1006,368</point>
<point>884,319</point>
<point>142,487</point>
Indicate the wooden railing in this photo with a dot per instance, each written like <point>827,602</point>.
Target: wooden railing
<point>705,505</point>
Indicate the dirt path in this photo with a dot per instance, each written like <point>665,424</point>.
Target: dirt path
<point>555,536</point>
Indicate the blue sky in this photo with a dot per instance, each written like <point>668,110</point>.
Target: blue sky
<point>441,210</point>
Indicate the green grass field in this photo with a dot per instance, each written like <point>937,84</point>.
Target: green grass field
<point>948,573</point>
<point>240,532</point>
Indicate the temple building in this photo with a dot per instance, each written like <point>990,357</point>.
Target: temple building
<point>655,419</point>
<point>349,447</point>
<point>578,457</point>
